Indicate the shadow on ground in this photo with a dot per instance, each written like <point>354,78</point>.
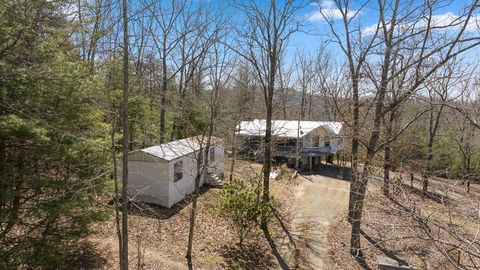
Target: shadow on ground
<point>438,198</point>
<point>151,210</point>
<point>332,171</point>
<point>249,256</point>
<point>86,255</point>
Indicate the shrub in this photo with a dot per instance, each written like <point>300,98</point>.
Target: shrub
<point>242,205</point>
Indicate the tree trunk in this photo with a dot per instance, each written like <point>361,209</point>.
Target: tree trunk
<point>116,198</point>
<point>302,104</point>
<point>193,213</point>
<point>386,171</point>
<point>200,171</point>
<point>387,162</point>
<point>163,94</point>
<point>267,163</point>
<point>124,251</point>
<point>428,165</point>
<point>360,186</point>
<point>300,118</point>
<point>234,152</point>
<point>355,148</point>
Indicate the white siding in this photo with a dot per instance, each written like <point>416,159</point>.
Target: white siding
<point>148,182</point>
<point>152,180</point>
<point>180,188</point>
<point>217,166</point>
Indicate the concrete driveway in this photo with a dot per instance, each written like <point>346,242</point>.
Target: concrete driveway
<point>318,200</point>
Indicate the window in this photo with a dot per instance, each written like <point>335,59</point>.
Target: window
<point>327,143</point>
<point>177,171</point>
<point>316,141</point>
<point>212,153</point>
<point>312,141</point>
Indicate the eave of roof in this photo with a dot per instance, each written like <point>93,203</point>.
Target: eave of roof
<point>287,128</point>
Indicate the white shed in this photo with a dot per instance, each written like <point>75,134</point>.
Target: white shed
<point>164,174</point>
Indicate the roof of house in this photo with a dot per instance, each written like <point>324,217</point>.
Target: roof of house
<point>175,149</point>
<point>287,128</point>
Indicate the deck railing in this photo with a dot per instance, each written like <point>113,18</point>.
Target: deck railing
<point>315,150</point>
<point>288,149</point>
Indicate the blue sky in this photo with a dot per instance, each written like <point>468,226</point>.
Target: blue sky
<point>445,10</point>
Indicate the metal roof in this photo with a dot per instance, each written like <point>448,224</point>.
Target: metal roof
<point>175,149</point>
<point>287,128</point>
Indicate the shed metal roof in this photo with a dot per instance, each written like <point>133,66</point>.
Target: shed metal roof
<point>175,149</point>
<point>287,128</point>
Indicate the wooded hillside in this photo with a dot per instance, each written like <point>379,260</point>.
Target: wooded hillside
<point>84,82</point>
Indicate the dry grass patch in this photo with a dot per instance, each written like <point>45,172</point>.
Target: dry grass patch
<point>158,236</point>
<point>420,229</point>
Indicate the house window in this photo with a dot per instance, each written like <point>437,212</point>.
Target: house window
<point>312,141</point>
<point>316,141</point>
<point>177,171</point>
<point>327,143</point>
<point>212,153</point>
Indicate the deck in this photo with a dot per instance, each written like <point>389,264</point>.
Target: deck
<point>291,151</point>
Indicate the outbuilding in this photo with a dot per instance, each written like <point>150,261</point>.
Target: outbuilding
<point>164,174</point>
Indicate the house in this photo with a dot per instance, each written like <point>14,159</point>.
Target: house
<point>316,139</point>
<point>164,174</point>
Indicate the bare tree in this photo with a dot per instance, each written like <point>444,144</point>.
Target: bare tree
<point>465,141</point>
<point>125,144</point>
<point>356,48</point>
<point>403,27</point>
<point>217,68</point>
<point>167,34</point>
<point>263,39</point>
<point>306,70</point>
<point>285,89</point>
<point>439,90</point>
<point>243,99</point>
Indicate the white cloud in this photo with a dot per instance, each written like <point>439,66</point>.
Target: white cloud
<point>446,21</point>
<point>449,19</point>
<point>327,9</point>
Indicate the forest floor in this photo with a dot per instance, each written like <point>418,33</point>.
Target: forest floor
<point>158,236</point>
<point>308,229</point>
<point>318,202</point>
<point>391,227</point>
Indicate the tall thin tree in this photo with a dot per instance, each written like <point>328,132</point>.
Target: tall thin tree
<point>125,130</point>
<point>268,29</point>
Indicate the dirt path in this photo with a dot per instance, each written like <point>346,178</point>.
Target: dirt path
<point>318,200</point>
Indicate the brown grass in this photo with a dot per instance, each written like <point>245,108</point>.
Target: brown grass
<point>391,226</point>
<point>158,236</point>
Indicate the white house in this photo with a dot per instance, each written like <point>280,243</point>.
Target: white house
<point>315,138</point>
<point>164,174</point>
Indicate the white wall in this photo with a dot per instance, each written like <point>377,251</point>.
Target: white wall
<point>153,181</point>
<point>147,182</point>
<point>184,186</point>
<point>178,190</point>
<point>218,165</point>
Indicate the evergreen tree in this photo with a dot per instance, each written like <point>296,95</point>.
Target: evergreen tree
<point>53,141</point>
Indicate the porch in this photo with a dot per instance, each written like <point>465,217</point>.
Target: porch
<point>291,151</point>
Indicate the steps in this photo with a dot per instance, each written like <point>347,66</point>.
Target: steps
<point>213,179</point>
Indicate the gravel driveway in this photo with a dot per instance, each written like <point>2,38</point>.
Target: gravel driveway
<point>318,200</point>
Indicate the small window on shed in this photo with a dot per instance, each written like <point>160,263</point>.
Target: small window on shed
<point>212,153</point>
<point>177,171</point>
<point>327,143</point>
